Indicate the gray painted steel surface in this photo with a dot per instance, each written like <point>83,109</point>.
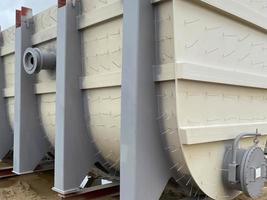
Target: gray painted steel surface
<point>73,149</point>
<point>142,157</point>
<point>30,144</point>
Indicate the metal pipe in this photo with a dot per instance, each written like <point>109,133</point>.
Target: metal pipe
<point>35,60</point>
<point>237,140</point>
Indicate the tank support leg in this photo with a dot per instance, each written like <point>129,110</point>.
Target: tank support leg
<point>144,171</point>
<point>73,149</point>
<point>30,143</point>
<point>6,136</point>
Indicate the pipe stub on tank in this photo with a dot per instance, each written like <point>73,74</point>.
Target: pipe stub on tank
<point>35,60</point>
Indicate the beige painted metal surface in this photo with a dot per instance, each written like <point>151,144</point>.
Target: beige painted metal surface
<point>210,71</point>
<point>46,79</point>
<point>9,69</point>
<point>216,57</point>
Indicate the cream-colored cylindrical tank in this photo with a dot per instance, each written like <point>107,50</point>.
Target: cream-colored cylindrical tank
<point>8,58</point>
<point>102,61</point>
<point>45,87</point>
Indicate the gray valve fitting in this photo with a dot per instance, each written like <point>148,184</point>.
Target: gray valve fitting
<point>245,169</point>
<point>35,60</point>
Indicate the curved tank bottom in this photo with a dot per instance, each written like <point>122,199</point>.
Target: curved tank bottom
<point>46,101</point>
<point>10,110</point>
<point>102,108</point>
<point>102,60</point>
<point>9,70</point>
<point>47,110</point>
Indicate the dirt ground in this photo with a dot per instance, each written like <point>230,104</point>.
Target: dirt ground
<point>264,197</point>
<point>28,187</point>
<point>38,187</point>
<point>35,186</point>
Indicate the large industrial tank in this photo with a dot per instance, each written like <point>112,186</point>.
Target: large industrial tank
<point>209,68</point>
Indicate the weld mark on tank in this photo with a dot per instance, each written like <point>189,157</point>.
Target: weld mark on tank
<point>211,51</point>
<point>245,119</point>
<point>116,64</point>
<point>213,120</point>
<point>163,116</point>
<point>197,191</point>
<point>229,35</point>
<point>255,63</point>
<point>244,57</point>
<point>191,45</point>
<point>179,179</point>
<point>98,153</point>
<point>180,168</point>
<point>188,22</point>
<point>105,68</point>
<point>103,1</point>
<point>244,38</point>
<point>116,50</point>
<point>212,28</point>
<point>189,180</point>
<point>174,166</point>
<point>212,95</point>
<point>94,68</point>
<point>230,118</point>
<point>256,44</point>
<point>228,54</point>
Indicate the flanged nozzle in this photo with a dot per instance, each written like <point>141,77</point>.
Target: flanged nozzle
<point>245,169</point>
<point>35,60</point>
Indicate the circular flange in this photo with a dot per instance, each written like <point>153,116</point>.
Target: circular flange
<point>253,172</point>
<point>32,61</point>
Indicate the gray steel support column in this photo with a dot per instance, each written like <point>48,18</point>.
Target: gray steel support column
<point>74,151</point>
<point>144,171</point>
<point>30,143</point>
<point>6,135</point>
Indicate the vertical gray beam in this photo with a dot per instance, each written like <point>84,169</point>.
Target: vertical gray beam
<point>6,135</point>
<point>144,171</point>
<point>73,149</point>
<point>30,144</point>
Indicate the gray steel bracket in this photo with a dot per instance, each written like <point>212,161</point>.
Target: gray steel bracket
<point>6,135</point>
<point>144,172</point>
<point>30,143</point>
<point>73,150</point>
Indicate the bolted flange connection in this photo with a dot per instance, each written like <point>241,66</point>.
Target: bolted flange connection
<point>245,169</point>
<point>35,60</point>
